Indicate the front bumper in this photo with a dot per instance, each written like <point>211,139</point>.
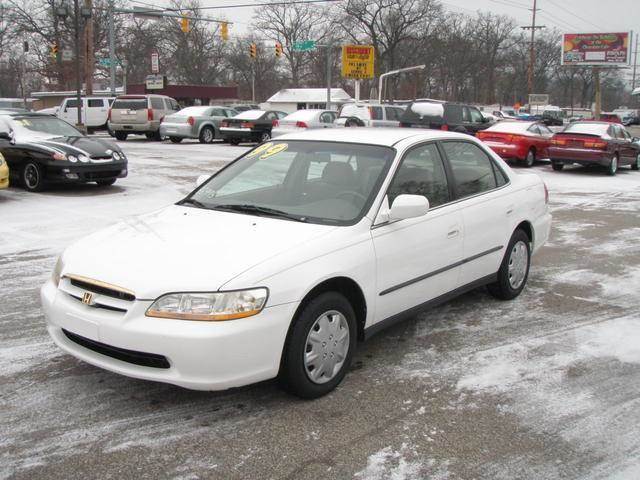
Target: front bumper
<point>85,172</point>
<point>201,355</point>
<point>177,130</point>
<point>581,156</point>
<point>508,151</point>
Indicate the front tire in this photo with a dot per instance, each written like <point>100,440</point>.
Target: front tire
<point>32,177</point>
<point>207,135</point>
<point>175,139</point>
<point>106,183</point>
<point>122,136</point>
<point>320,346</point>
<point>530,158</point>
<point>636,165</point>
<point>514,269</point>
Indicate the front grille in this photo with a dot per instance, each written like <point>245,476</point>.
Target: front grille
<point>130,356</point>
<point>101,305</point>
<point>100,175</point>
<point>101,289</point>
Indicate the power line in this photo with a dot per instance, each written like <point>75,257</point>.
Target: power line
<point>575,15</point>
<point>247,5</point>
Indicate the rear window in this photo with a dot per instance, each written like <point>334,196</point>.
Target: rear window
<point>250,115</point>
<point>95,103</point>
<point>359,111</point>
<point>130,103</point>
<point>157,103</point>
<point>423,112</point>
<point>587,128</point>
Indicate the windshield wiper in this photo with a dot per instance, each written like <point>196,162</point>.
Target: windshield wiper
<point>255,209</point>
<point>194,202</point>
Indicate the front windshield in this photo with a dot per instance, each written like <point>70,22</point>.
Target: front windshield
<point>42,126</point>
<point>320,182</point>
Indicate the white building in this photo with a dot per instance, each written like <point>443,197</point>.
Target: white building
<point>291,99</point>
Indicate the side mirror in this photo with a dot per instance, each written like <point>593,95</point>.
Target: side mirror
<point>201,179</point>
<point>635,139</point>
<point>408,206</point>
<point>5,136</point>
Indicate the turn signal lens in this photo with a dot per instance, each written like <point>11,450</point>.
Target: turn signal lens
<point>59,156</point>
<point>218,306</point>
<point>301,125</point>
<point>57,272</point>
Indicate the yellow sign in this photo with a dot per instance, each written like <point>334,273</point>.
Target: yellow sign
<point>357,61</point>
<point>267,149</point>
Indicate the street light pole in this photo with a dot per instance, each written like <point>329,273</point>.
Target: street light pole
<point>112,54</point>
<point>329,68</point>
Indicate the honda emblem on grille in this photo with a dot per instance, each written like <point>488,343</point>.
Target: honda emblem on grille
<point>87,298</point>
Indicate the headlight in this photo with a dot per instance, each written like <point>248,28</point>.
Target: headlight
<point>83,158</point>
<point>209,306</point>
<point>116,156</point>
<point>57,271</point>
<point>73,158</point>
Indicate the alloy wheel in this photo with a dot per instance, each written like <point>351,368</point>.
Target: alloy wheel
<point>207,135</point>
<point>265,137</point>
<point>326,347</point>
<point>31,176</point>
<point>518,261</point>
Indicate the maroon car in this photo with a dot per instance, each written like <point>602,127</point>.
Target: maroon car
<point>595,143</point>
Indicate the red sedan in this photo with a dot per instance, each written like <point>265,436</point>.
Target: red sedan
<point>518,140</point>
<point>595,143</point>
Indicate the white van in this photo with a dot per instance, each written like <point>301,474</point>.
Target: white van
<point>95,111</point>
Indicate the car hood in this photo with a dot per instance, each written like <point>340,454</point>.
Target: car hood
<point>92,147</point>
<point>183,249</point>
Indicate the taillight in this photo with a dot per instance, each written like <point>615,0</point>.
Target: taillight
<point>246,125</point>
<point>275,123</point>
<point>109,116</point>
<point>224,123</point>
<point>301,125</point>
<point>597,145</point>
<point>557,141</point>
<point>149,114</point>
<point>191,121</point>
<point>445,127</point>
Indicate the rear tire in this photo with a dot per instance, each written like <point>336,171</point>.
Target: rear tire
<point>175,139</point>
<point>234,141</point>
<point>530,158</point>
<point>636,164</point>
<point>333,321</point>
<point>265,137</point>
<point>514,269</point>
<point>32,177</point>
<point>207,135</point>
<point>106,183</point>
<point>557,166</point>
<point>122,136</point>
<point>612,169</point>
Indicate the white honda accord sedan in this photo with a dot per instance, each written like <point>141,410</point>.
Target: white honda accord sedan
<point>277,265</point>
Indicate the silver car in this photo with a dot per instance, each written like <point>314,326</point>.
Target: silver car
<point>195,122</point>
<point>302,120</point>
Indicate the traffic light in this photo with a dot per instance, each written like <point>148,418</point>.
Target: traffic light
<point>25,47</point>
<point>184,24</point>
<point>253,50</point>
<point>54,50</point>
<point>224,31</point>
<point>278,49</point>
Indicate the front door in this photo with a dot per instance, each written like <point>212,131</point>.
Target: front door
<point>418,258</point>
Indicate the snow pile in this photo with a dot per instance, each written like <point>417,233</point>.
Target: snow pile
<point>389,464</point>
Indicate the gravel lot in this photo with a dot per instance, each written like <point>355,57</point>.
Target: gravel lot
<point>546,386</point>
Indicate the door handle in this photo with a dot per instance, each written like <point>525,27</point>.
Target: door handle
<point>510,210</point>
<point>453,233</point>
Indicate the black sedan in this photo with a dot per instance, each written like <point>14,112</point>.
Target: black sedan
<point>250,126</point>
<point>42,149</point>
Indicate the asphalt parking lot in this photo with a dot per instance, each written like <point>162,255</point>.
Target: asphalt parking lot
<point>546,386</point>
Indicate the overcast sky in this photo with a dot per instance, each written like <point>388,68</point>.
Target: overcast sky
<point>566,15</point>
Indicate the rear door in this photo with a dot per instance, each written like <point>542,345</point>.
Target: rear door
<point>96,112</point>
<point>485,205</point>
<point>392,118</point>
<point>69,111</point>
<point>627,149</point>
<point>544,141</point>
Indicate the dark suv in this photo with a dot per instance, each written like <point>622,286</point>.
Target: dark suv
<point>434,114</point>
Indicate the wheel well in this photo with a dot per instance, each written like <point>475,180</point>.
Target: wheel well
<point>347,287</point>
<point>526,228</point>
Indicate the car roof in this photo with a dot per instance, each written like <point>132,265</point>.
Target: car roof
<point>10,113</point>
<point>370,135</point>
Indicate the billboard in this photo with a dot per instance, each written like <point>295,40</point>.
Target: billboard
<point>582,49</point>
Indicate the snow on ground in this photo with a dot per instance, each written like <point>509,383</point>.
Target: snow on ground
<point>546,386</point>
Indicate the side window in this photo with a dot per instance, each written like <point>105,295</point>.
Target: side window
<point>216,112</point>
<point>231,113</point>
<point>326,117</point>
<point>501,177</point>
<point>466,116</point>
<point>156,103</point>
<point>174,104</point>
<point>625,134</point>
<point>71,103</point>
<point>534,129</point>
<point>167,104</point>
<point>95,103</point>
<point>476,116</point>
<point>391,113</point>
<point>270,116</point>
<point>421,173</point>
<point>376,113</point>
<point>473,170</point>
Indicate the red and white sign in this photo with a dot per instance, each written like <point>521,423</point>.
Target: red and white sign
<point>155,62</point>
<point>581,49</point>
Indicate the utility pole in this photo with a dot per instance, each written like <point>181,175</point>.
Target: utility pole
<point>329,68</point>
<point>635,64</point>
<point>76,26</point>
<point>532,47</point>
<point>112,53</point>
<point>89,56</point>
<point>598,92</point>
